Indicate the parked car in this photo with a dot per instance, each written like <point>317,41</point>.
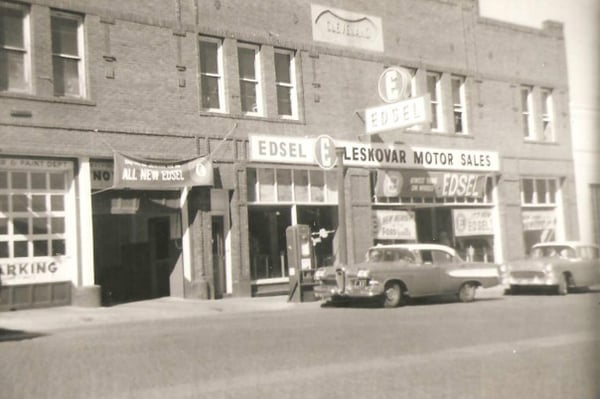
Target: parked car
<point>393,273</point>
<point>563,265</point>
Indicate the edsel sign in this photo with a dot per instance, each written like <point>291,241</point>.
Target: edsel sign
<point>321,151</point>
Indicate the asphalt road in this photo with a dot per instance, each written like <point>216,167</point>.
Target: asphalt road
<point>526,346</point>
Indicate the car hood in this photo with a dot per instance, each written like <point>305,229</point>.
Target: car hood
<point>534,264</point>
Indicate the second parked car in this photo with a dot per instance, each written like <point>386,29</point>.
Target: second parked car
<point>392,273</point>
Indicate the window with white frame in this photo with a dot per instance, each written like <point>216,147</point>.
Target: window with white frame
<point>33,213</point>
<point>525,93</point>
<point>67,54</point>
<point>286,84</point>
<point>434,89</point>
<point>14,48</point>
<point>538,191</point>
<point>547,128</point>
<point>458,103</point>
<point>211,74</point>
<point>268,185</point>
<point>249,70</point>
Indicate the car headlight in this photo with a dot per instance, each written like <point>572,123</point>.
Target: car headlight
<point>503,269</point>
<point>548,268</point>
<point>363,273</point>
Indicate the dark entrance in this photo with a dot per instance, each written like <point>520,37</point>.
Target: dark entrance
<point>434,225</point>
<point>218,256</point>
<point>136,244</point>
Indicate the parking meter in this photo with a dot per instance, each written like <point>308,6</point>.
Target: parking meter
<point>300,263</point>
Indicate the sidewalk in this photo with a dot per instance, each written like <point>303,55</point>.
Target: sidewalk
<point>64,317</point>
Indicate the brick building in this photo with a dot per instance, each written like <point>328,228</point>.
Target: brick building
<point>266,91</point>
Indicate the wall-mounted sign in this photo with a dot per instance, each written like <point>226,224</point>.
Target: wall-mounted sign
<point>472,222</point>
<point>420,183</point>
<point>394,225</point>
<point>345,28</point>
<point>36,164</point>
<point>101,174</point>
<point>35,270</point>
<point>394,84</point>
<point>401,114</point>
<point>301,150</point>
<point>152,175</point>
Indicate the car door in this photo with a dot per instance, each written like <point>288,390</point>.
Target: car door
<point>587,269</point>
<point>425,275</point>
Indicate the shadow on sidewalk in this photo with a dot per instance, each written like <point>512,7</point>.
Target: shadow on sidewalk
<point>17,335</point>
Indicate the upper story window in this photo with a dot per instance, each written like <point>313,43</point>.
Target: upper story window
<point>538,191</point>
<point>249,69</point>
<point>547,128</point>
<point>526,119</point>
<point>458,104</point>
<point>434,89</point>
<point>67,54</point>
<point>537,113</point>
<point>285,81</point>
<point>211,74</point>
<point>14,48</point>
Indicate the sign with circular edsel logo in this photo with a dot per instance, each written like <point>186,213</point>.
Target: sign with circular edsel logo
<point>325,152</point>
<point>394,84</point>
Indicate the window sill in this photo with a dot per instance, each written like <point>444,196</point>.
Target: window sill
<point>221,114</point>
<point>58,100</point>
<point>536,141</point>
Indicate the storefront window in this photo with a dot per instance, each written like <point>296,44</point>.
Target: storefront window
<point>301,185</point>
<point>539,210</point>
<point>284,185</point>
<point>32,211</point>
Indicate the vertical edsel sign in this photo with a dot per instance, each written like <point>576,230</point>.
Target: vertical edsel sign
<point>399,112</point>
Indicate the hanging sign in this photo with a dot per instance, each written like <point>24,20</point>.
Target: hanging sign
<point>394,225</point>
<point>153,175</point>
<point>538,220</point>
<point>472,222</point>
<point>405,113</point>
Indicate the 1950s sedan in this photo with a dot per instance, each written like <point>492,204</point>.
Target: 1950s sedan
<point>393,273</point>
<point>562,265</point>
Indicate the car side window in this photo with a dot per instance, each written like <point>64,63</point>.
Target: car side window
<point>426,256</point>
<point>441,257</point>
<point>404,255</point>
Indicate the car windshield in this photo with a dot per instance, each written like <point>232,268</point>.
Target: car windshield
<point>558,251</point>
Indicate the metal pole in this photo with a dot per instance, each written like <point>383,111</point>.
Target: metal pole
<point>341,230</point>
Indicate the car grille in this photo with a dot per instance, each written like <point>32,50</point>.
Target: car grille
<point>527,274</point>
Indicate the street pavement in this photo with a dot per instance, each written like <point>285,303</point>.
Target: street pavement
<point>66,317</point>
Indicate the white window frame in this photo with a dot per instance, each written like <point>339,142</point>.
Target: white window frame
<point>460,107</point>
<point>547,201</point>
<point>26,49</point>
<point>257,81</point>
<point>289,85</point>
<point>527,113</point>
<point>547,119</point>
<point>218,75</point>
<point>436,103</point>
<point>80,57</point>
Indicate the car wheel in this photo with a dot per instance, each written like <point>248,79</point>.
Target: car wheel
<point>467,292</point>
<point>392,296</point>
<point>563,286</point>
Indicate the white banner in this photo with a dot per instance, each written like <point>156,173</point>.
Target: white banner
<point>394,225</point>
<point>472,222</point>
<point>539,220</point>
